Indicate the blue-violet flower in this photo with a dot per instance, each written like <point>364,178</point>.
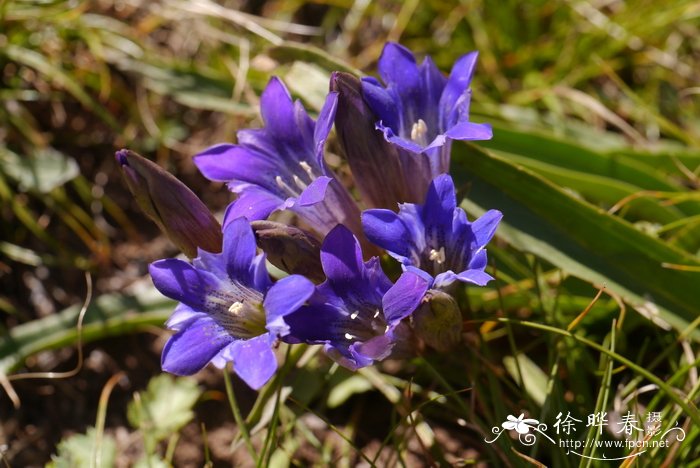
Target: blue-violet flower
<point>281,166</point>
<point>421,111</point>
<point>435,237</point>
<point>356,312</point>
<point>229,309</point>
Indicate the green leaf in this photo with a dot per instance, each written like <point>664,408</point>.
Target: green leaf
<point>42,171</point>
<point>164,408</point>
<point>543,219</point>
<point>353,385</point>
<point>108,315</point>
<point>534,379</point>
<point>308,81</point>
<point>293,51</point>
<point>55,73</point>
<point>79,450</point>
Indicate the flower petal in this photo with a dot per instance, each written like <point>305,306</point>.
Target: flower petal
<point>458,83</point>
<point>252,204</point>
<point>315,192</point>
<point>381,103</point>
<point>324,124</point>
<point>284,298</point>
<point>254,361</point>
<point>470,131</point>
<point>485,227</point>
<point>181,316</point>
<point>190,349</point>
<point>440,203</point>
<point>180,281</point>
<point>341,256</point>
<point>387,230</point>
<point>404,297</point>
<point>239,250</point>
<point>278,111</point>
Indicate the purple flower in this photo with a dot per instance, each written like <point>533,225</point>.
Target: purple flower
<point>420,111</point>
<point>229,309</point>
<point>435,237</point>
<point>281,166</point>
<point>356,312</point>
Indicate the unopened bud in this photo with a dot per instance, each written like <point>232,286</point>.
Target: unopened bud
<point>177,211</point>
<point>290,249</point>
<point>438,320</point>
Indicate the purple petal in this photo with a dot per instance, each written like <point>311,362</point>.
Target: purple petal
<point>380,102</point>
<point>391,137</point>
<point>181,316</point>
<point>283,298</point>
<point>387,230</point>
<point>218,162</point>
<point>180,281</point>
<point>277,110</point>
<point>239,250</point>
<point>440,202</point>
<point>470,131</point>
<point>477,277</point>
<point>190,349</point>
<point>315,324</point>
<point>253,204</point>
<point>254,361</point>
<point>485,227</point>
<point>479,261</point>
<point>376,349</point>
<point>324,123</point>
<point>397,66</point>
<point>341,255</point>
<point>404,297</point>
<point>458,83</point>
<point>443,280</point>
<point>315,192</point>
<point>258,271</point>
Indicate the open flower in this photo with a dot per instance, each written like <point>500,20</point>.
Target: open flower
<point>435,237</point>
<point>420,111</point>
<point>281,166</point>
<point>356,312</point>
<point>520,424</point>
<point>229,309</point>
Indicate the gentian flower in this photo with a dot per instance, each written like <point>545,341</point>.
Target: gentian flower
<point>420,111</point>
<point>177,211</point>
<point>281,166</point>
<point>435,237</point>
<point>229,309</point>
<point>356,312</point>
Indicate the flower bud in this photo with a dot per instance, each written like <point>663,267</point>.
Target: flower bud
<point>170,204</point>
<point>374,161</point>
<point>290,249</point>
<point>438,320</point>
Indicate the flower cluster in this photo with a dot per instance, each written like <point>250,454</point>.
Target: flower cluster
<point>396,138</point>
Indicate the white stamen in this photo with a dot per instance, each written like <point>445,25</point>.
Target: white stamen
<point>236,308</point>
<point>437,256</point>
<point>284,186</point>
<point>376,313</point>
<point>348,336</point>
<point>300,183</point>
<point>304,165</point>
<point>354,314</point>
<point>419,132</point>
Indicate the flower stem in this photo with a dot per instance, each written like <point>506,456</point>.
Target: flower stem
<point>240,422</point>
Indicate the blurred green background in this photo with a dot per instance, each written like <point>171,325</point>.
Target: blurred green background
<point>595,161</point>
